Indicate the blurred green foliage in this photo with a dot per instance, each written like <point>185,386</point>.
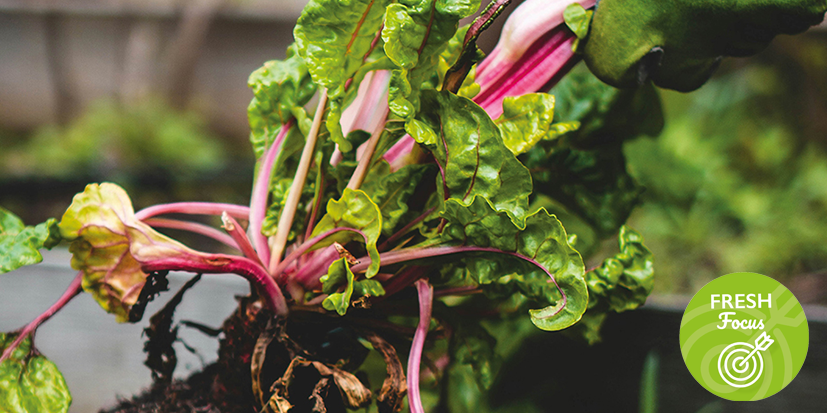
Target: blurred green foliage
<point>111,139</point>
<point>737,181</point>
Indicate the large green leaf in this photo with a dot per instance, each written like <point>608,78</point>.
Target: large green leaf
<point>29,382</point>
<point>526,120</point>
<point>20,244</point>
<point>354,210</point>
<point>281,88</point>
<point>468,147</point>
<point>416,32</point>
<point>539,237</point>
<point>392,190</point>
<point>334,37</point>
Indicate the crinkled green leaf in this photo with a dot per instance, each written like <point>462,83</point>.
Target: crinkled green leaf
<point>392,190</point>
<point>109,245</point>
<point>472,154</point>
<point>540,237</point>
<point>338,273</point>
<point>623,281</point>
<point>372,288</point>
<point>606,114</point>
<point>594,185</point>
<point>20,244</point>
<point>280,87</point>
<point>29,382</point>
<point>416,32</point>
<point>526,120</point>
<point>354,210</point>
<point>578,20</point>
<point>334,38</point>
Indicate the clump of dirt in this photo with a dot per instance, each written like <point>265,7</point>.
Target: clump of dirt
<point>305,363</point>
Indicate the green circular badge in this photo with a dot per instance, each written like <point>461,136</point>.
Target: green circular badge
<point>744,336</point>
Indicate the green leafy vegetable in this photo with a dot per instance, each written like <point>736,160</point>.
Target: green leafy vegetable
<point>624,281</point>
<point>392,191</point>
<point>541,238</point>
<point>526,120</point>
<point>333,38</point>
<point>472,154</point>
<point>281,88</point>
<point>354,210</point>
<point>20,244</point>
<point>338,273</point>
<point>620,283</point>
<point>29,382</point>
<point>416,32</point>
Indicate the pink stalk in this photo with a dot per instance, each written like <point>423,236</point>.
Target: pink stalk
<point>307,245</point>
<point>219,264</point>
<point>426,296</point>
<point>354,110</point>
<point>194,208</point>
<point>368,112</point>
<point>193,227</point>
<point>396,156</point>
<point>292,201</point>
<point>261,190</point>
<point>237,233</point>
<point>405,278</point>
<point>396,257</point>
<point>526,25</point>
<point>309,273</point>
<point>465,290</point>
<point>73,290</point>
<point>548,58</point>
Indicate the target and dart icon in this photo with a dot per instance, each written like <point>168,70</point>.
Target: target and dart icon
<point>741,364</point>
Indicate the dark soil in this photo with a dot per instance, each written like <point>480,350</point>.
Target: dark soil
<point>306,362</point>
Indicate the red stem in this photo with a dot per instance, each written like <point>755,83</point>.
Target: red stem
<point>411,254</point>
<point>194,208</point>
<point>426,297</point>
<point>261,189</point>
<point>307,245</point>
<point>219,264</point>
<point>237,233</point>
<point>193,227</point>
<point>73,290</point>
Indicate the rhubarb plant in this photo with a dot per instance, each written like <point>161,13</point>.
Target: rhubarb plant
<point>409,190</point>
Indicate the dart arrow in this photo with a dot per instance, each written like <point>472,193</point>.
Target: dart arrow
<point>761,344</point>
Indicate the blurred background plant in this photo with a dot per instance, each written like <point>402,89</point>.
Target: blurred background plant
<point>737,180</point>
